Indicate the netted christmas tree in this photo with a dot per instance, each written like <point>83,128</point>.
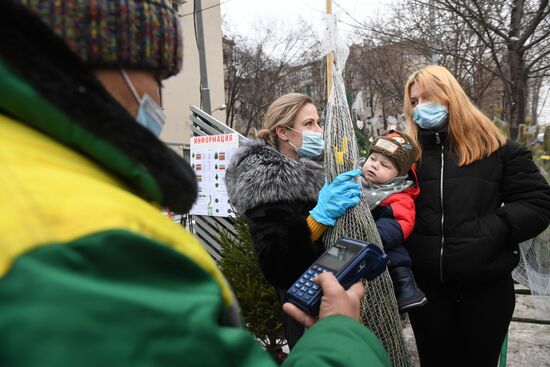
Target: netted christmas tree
<point>533,270</point>
<point>378,307</point>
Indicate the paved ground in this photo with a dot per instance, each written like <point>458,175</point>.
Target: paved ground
<point>528,344</point>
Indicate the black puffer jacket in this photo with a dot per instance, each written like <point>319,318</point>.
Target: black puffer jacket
<point>275,194</point>
<point>463,233</point>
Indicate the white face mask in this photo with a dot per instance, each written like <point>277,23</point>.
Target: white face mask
<point>150,114</point>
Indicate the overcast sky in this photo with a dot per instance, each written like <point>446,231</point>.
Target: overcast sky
<point>242,15</point>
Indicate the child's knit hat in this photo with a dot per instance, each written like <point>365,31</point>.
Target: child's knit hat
<point>141,34</point>
<point>398,147</point>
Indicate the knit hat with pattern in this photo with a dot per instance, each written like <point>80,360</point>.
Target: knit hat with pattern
<point>141,34</point>
<point>398,147</point>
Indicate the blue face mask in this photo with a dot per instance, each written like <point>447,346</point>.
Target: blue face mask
<point>430,116</point>
<point>312,144</point>
<point>149,114</point>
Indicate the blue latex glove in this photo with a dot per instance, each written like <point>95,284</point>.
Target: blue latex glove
<point>336,198</point>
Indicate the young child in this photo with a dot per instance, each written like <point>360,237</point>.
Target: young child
<point>389,180</point>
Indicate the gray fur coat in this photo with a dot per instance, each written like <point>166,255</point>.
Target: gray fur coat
<point>258,174</point>
<point>275,194</point>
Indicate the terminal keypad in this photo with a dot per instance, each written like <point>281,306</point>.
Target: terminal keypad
<point>304,287</point>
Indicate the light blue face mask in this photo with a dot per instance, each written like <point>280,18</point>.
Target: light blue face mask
<point>312,144</point>
<point>430,116</point>
<point>149,114</point>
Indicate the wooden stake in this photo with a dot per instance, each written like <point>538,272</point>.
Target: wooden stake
<point>330,57</point>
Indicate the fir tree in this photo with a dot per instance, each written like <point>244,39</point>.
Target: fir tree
<point>259,303</point>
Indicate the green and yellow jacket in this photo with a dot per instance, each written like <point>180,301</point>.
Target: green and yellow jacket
<point>91,272</point>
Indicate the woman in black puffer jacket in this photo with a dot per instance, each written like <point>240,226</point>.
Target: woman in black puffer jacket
<point>278,186</point>
<point>481,195</point>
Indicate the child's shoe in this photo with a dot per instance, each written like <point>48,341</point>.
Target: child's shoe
<point>407,293</point>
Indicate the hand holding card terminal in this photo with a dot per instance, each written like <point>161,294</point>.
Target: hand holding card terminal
<point>350,260</point>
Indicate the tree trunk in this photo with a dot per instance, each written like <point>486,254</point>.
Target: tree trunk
<point>518,77</point>
<point>518,107</point>
<point>371,102</point>
<point>384,119</point>
<point>535,97</point>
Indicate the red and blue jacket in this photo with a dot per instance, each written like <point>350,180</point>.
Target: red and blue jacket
<point>395,216</point>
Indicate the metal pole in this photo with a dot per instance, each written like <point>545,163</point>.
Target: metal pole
<point>330,57</point>
<point>205,91</point>
<point>433,41</point>
<point>503,353</point>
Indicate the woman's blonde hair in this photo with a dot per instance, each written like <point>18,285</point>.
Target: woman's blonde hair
<point>282,113</point>
<point>473,136</point>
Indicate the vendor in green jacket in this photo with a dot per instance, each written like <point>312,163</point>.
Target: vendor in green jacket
<point>91,272</point>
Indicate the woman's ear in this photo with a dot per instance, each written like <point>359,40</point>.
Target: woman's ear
<point>282,133</point>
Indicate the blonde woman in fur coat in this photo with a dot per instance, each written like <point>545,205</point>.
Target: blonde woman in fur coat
<point>278,185</point>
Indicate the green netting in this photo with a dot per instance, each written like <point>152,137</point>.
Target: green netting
<point>379,307</point>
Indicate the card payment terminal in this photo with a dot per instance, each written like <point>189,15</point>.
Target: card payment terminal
<point>350,260</point>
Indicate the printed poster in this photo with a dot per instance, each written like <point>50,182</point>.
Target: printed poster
<point>210,156</point>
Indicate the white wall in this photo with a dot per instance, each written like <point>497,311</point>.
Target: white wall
<point>182,90</point>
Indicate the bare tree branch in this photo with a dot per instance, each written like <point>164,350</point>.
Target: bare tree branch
<point>535,21</point>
